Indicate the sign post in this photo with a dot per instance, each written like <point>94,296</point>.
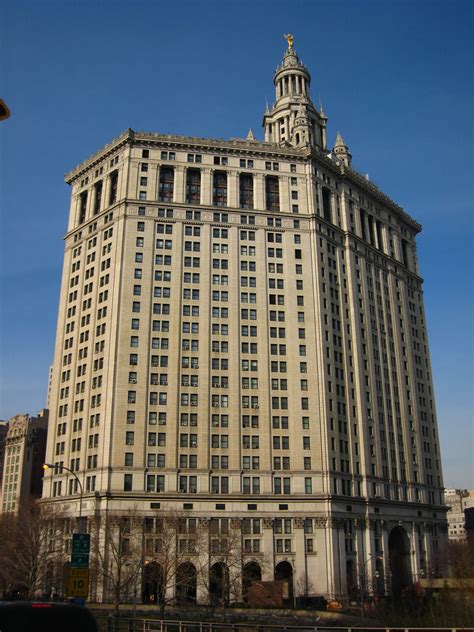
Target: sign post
<point>78,584</point>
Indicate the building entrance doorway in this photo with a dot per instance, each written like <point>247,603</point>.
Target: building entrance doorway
<point>284,573</point>
<point>399,557</point>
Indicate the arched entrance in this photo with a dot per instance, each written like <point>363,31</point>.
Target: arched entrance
<point>251,573</point>
<point>153,584</point>
<point>399,558</point>
<point>284,573</point>
<point>186,583</point>
<point>219,583</point>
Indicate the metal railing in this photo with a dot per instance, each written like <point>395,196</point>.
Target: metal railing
<point>124,624</point>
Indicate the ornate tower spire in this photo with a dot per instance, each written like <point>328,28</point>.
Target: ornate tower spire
<point>293,101</point>
<point>341,151</point>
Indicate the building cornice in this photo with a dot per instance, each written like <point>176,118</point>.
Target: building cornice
<point>234,146</point>
<point>351,176</point>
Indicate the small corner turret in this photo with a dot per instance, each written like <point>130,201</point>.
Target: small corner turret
<point>341,151</point>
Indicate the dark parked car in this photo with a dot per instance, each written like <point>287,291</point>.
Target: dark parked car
<point>29,616</point>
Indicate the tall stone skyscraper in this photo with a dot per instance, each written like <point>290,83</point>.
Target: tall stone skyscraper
<point>241,337</point>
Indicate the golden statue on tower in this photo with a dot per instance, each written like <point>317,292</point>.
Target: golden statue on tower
<point>290,39</point>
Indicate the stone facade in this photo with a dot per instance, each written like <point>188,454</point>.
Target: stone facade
<point>241,333</point>
<point>24,451</point>
<point>458,500</point>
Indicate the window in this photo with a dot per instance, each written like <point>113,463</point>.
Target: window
<point>155,483</point>
<point>127,482</point>
<point>113,178</point>
<point>272,194</point>
<point>219,484</point>
<point>251,484</point>
<point>219,189</point>
<point>166,184</point>
<point>193,186</point>
<point>194,158</point>
<point>246,190</point>
<point>281,485</point>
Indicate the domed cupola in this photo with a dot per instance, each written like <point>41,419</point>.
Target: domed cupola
<point>293,119</point>
<point>291,78</point>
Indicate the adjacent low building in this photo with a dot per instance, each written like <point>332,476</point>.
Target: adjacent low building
<point>24,453</point>
<point>458,500</point>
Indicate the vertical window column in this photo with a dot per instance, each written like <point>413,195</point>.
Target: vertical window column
<point>272,193</point>
<point>166,184</point>
<point>113,187</point>
<point>246,190</point>
<point>193,186</point>
<point>98,189</point>
<point>219,188</point>
<point>82,207</point>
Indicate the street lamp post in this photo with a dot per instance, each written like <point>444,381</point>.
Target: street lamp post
<point>51,466</point>
<point>363,577</point>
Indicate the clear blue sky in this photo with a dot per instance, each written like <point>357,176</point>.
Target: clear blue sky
<point>394,77</point>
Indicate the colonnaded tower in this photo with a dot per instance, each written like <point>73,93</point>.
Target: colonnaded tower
<point>241,339</point>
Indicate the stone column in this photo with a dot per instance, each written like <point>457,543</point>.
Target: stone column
<point>268,571</point>
<point>375,240</point>
<point>134,180</point>
<point>259,191</point>
<point>152,181</point>
<point>386,564</point>
<point>106,192</point>
<point>333,206</point>
<point>415,558</point>
<point>179,186</point>
<point>383,244</point>
<point>284,182</point>
<point>299,547</point>
<point>324,557</point>
<point>233,189</point>
<point>336,548</point>
<point>344,212</point>
<point>206,186</point>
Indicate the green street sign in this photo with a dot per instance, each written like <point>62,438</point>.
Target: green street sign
<point>79,560</point>
<point>81,543</point>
